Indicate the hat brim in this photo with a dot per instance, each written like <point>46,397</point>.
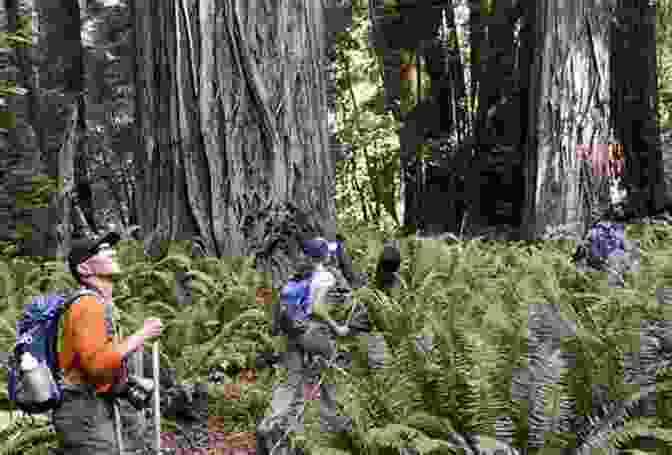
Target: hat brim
<point>111,237</point>
<point>316,248</point>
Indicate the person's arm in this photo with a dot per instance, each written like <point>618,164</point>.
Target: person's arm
<point>345,263</point>
<point>321,310</point>
<point>340,330</point>
<point>99,357</point>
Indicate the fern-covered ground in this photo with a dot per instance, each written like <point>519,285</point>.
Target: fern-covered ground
<point>475,298</point>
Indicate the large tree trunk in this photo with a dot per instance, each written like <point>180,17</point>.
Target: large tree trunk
<point>442,191</point>
<point>231,116</point>
<point>634,103</point>
<point>65,16</point>
<point>568,105</point>
<point>496,67</point>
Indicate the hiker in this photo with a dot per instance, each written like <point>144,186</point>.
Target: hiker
<point>93,358</point>
<point>387,270</point>
<point>318,332</point>
<point>606,249</point>
<point>339,264</point>
<point>344,263</point>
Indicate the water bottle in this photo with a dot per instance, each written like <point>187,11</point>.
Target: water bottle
<point>37,379</point>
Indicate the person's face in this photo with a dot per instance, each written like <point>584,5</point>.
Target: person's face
<point>102,263</point>
<point>109,262</point>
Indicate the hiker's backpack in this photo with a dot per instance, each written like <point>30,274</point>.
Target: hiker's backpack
<point>294,306</point>
<point>294,309</point>
<point>606,239</point>
<point>37,332</point>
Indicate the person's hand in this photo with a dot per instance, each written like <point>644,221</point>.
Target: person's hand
<point>151,328</point>
<point>341,330</point>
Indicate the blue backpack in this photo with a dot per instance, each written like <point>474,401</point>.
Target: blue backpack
<point>294,306</point>
<point>37,333</point>
<point>606,239</point>
<point>295,309</point>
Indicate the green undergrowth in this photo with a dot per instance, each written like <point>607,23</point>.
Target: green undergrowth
<point>475,297</point>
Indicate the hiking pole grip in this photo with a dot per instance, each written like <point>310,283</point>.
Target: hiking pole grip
<point>157,402</point>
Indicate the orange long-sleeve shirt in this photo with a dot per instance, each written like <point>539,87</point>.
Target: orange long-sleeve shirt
<point>86,345</point>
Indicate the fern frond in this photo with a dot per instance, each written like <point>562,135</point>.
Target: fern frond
<point>181,261</point>
<point>37,433</point>
<point>601,429</point>
<point>398,436</point>
<point>641,427</point>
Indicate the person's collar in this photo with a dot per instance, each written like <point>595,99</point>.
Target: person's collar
<point>99,292</point>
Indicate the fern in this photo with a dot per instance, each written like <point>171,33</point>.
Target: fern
<point>641,427</point>
<point>601,430</point>
<point>21,436</point>
<point>398,436</point>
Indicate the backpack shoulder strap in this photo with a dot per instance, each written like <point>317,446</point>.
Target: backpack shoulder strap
<point>70,299</point>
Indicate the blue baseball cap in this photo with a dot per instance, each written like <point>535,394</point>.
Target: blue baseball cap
<point>317,248</point>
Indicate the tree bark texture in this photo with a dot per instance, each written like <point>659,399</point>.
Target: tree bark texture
<point>569,104</point>
<point>231,111</point>
<point>634,103</point>
<point>66,15</point>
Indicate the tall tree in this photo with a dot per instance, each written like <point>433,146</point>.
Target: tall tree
<point>446,73</point>
<point>63,25</point>
<point>232,125</point>
<point>569,105</point>
<point>634,102</point>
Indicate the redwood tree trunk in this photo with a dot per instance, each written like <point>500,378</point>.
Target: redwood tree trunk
<point>66,14</point>
<point>634,103</point>
<point>231,117</point>
<point>568,105</point>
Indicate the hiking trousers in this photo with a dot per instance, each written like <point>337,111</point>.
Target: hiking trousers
<point>288,404</point>
<point>84,422</point>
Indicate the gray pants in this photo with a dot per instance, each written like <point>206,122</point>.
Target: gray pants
<point>84,422</point>
<point>288,404</point>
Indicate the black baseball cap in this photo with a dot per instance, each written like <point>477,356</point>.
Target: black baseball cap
<point>85,247</point>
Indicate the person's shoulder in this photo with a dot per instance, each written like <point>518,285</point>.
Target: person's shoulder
<point>86,302</point>
<point>323,276</point>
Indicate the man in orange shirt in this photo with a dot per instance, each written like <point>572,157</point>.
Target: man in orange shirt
<point>92,357</point>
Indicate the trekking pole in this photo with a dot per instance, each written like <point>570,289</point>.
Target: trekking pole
<point>117,418</point>
<point>157,403</point>
<point>117,425</point>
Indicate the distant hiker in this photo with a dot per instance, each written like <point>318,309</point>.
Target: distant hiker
<point>606,249</point>
<point>387,270</point>
<point>93,358</point>
<point>303,316</point>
